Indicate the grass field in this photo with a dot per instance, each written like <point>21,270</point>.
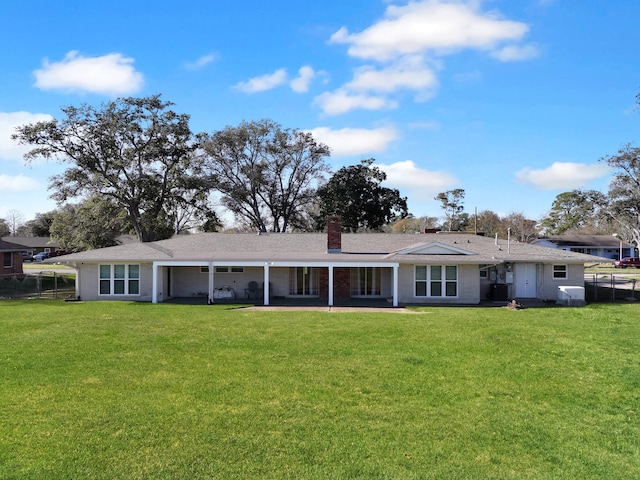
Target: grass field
<point>131,391</point>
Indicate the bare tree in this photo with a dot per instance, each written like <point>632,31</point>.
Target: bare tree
<point>522,229</point>
<point>267,175</point>
<point>15,220</point>
<point>623,206</point>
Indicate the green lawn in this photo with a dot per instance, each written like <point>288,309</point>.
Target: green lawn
<point>124,390</point>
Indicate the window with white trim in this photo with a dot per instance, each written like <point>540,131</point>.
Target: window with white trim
<point>560,272</point>
<point>7,259</point>
<point>119,279</point>
<point>436,281</point>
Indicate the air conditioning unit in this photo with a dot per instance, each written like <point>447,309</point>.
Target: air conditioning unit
<point>571,296</point>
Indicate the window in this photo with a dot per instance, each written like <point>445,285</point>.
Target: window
<point>303,281</point>
<point>119,280</point>
<point>226,269</point>
<point>436,281</point>
<point>7,259</point>
<point>560,272</point>
<point>484,270</point>
<point>365,281</point>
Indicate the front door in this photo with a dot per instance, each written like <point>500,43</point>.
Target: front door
<point>525,280</point>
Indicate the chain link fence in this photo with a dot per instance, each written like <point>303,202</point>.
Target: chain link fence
<point>45,284</point>
<point>601,288</point>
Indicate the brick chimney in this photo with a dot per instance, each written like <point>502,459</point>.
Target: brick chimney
<point>334,234</point>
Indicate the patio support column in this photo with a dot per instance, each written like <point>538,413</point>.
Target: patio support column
<point>265,293</point>
<point>154,283</point>
<point>77,281</point>
<point>395,285</point>
<point>211,282</point>
<point>330,285</point>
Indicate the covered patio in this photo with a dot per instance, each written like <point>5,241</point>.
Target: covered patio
<point>278,283</point>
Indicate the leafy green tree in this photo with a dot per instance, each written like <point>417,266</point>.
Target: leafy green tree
<point>574,211</point>
<point>40,226</point>
<point>192,210</point>
<point>453,206</point>
<point>356,195</point>
<point>5,231</point>
<point>267,175</point>
<point>95,223</point>
<point>134,151</point>
<point>411,224</point>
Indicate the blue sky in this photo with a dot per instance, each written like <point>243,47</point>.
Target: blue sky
<point>513,101</point>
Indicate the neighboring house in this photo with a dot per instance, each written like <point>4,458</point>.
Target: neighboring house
<point>34,245</point>
<point>607,246</point>
<point>11,254</point>
<point>442,268</point>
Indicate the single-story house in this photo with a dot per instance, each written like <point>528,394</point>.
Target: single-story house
<point>607,246</point>
<point>34,245</point>
<point>438,268</point>
<point>11,258</point>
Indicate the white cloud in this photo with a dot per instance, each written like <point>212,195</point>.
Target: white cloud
<point>301,83</point>
<point>9,149</point>
<point>342,101</point>
<point>110,74</point>
<point>408,73</point>
<point>515,53</point>
<point>202,62</point>
<point>416,182</point>
<point>435,26</point>
<point>264,82</point>
<point>562,175</point>
<point>409,42</point>
<point>18,183</point>
<point>355,141</point>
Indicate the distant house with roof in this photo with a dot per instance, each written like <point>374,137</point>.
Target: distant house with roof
<point>607,246</point>
<point>34,245</point>
<point>11,254</point>
<point>331,268</point>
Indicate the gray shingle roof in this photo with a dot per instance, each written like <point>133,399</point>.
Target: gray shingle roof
<point>11,246</point>
<point>312,247</point>
<point>33,242</point>
<point>586,241</point>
